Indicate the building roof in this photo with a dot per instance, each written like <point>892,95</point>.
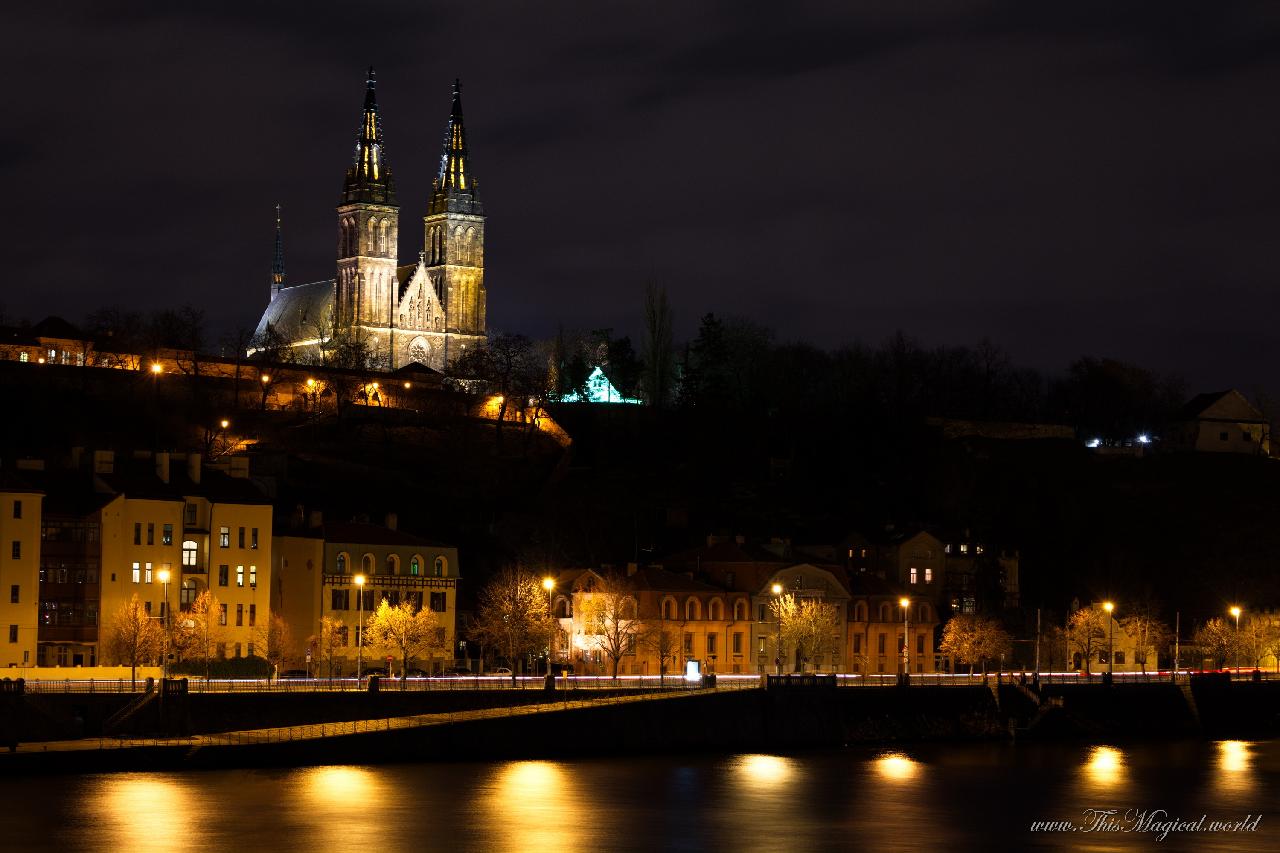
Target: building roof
<point>361,533</point>
<point>660,580</point>
<point>1229,405</point>
<point>725,551</point>
<point>300,312</point>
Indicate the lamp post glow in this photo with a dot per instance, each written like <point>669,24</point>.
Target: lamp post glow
<point>905,604</point>
<point>1111,632</point>
<point>1235,611</point>
<point>549,584</point>
<point>164,661</point>
<point>359,579</point>
<point>776,589</point>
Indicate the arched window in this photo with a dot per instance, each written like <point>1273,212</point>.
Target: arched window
<point>440,568</point>
<point>384,233</point>
<point>739,610</point>
<point>886,613</point>
<point>190,553</point>
<point>393,564</point>
<point>860,612</point>
<point>562,608</point>
<point>366,564</point>
<point>692,609</point>
<point>373,237</point>
<point>342,564</point>
<point>924,614</point>
<point>415,565</point>
<point>715,611</point>
<point>668,608</point>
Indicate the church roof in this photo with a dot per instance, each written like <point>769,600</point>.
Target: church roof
<point>300,312</point>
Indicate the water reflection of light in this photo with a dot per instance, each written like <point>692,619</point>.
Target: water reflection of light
<point>1105,766</point>
<point>763,771</point>
<point>349,800</point>
<point>1234,756</point>
<point>897,767</point>
<point>145,812</point>
<point>535,806</point>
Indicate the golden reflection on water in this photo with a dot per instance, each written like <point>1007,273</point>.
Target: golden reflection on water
<point>763,772</point>
<point>1235,765</point>
<point>348,800</point>
<point>143,812</point>
<point>1105,767</point>
<point>533,805</point>
<point>897,767</point>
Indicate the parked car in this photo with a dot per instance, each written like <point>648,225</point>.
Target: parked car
<point>458,670</point>
<point>294,673</point>
<point>502,670</point>
<point>416,673</point>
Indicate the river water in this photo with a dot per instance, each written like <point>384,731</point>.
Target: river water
<point>938,797</point>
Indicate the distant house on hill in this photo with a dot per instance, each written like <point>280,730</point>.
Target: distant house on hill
<point>598,390</point>
<point>1221,422</point>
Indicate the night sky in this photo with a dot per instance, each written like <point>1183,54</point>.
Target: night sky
<point>1062,177</point>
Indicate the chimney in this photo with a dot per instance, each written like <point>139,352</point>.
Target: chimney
<point>392,520</point>
<point>315,519</point>
<point>162,466</point>
<point>194,461</point>
<point>104,461</point>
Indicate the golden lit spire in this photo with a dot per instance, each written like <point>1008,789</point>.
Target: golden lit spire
<point>454,181</point>
<point>369,178</point>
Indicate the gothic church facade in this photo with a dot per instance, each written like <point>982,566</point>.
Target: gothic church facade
<point>430,312</point>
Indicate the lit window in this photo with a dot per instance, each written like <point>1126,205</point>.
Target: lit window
<point>239,575</point>
<point>23,357</point>
<point>166,537</point>
<point>928,575</point>
<point>148,573</point>
<point>137,573</point>
<point>224,537</point>
<point>914,576</point>
<point>190,553</point>
<point>964,548</point>
<point>253,576</point>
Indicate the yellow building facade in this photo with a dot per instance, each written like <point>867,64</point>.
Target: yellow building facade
<point>19,575</point>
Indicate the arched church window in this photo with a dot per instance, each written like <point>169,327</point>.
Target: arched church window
<point>393,564</point>
<point>415,565</point>
<point>366,564</point>
<point>342,564</point>
<point>383,241</point>
<point>440,568</point>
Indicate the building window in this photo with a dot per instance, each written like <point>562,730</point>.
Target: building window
<point>253,617</point>
<point>137,573</point>
<point>17,509</point>
<point>249,648</point>
<point>222,648</point>
<point>440,568</point>
<point>857,644</point>
<point>13,633</point>
<point>224,537</point>
<point>239,575</point>
<point>146,605</point>
<point>919,644</point>
<point>24,356</point>
<point>17,550</point>
<point>438,602</point>
<point>239,617</point>
<point>729,578</point>
<point>414,568</point>
<point>1119,656</point>
<point>223,571</point>
<point>711,644</point>
<point>237,650</point>
<point>151,533</point>
<point>222,614</point>
<point>737,642</point>
<point>190,550</point>
<point>340,599</point>
<point>688,645</point>
<point>253,577</point>
<point>240,538</point>
<point>148,573</point>
<point>928,575</point>
<point>1222,436</point>
<point>914,575</point>
<point>162,609</point>
<point>880,643</point>
<point>137,533</point>
<point>191,515</point>
<point>342,564</point>
<point>166,535</point>
<point>15,593</point>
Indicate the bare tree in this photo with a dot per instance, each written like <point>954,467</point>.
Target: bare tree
<point>1149,635</point>
<point>806,626</point>
<point>133,637</point>
<point>609,608</point>
<point>663,639</point>
<point>404,629</point>
<point>1087,634</point>
<point>974,639</point>
<point>512,616</point>
<point>199,629</point>
<point>1216,640</point>
<point>275,637</point>
<point>332,636</point>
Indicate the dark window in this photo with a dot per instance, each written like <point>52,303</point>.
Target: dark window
<point>253,538</point>
<point>166,537</point>
<point>240,538</point>
<point>880,644</point>
<point>191,515</point>
<point>340,599</point>
<point>223,575</point>
<point>222,614</point>
<point>1222,436</point>
<point>151,533</point>
<point>137,533</point>
<point>146,605</point>
<point>17,550</point>
<point>737,643</point>
<point>17,509</point>
<point>253,616</point>
<point>857,644</point>
<point>438,602</point>
<point>920,644</point>
<point>13,633</point>
<point>239,615</point>
<point>14,594</point>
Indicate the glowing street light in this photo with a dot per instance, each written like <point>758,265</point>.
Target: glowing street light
<point>1235,611</point>
<point>549,584</point>
<point>156,368</point>
<point>1111,633</point>
<point>224,423</point>
<point>163,574</point>
<point>905,604</point>
<point>359,579</point>
<point>776,589</point>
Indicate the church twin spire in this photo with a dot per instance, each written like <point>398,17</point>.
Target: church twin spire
<point>277,263</point>
<point>455,186</point>
<point>369,178</point>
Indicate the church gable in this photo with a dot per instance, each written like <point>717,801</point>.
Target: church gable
<point>420,309</point>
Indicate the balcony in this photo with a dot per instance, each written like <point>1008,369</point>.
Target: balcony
<point>393,581</point>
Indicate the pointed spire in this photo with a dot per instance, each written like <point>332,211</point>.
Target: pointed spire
<point>277,265</point>
<point>454,181</point>
<point>369,178</point>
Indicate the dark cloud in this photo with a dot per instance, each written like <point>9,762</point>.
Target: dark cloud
<point>1062,177</point>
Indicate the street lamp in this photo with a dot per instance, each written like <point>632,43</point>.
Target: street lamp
<point>549,584</point>
<point>359,579</point>
<point>164,661</point>
<point>776,589</point>
<point>1111,633</point>
<point>905,604</point>
<point>1235,611</point>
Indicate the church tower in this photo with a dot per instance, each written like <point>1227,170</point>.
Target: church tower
<point>454,232</point>
<point>368,224</point>
<point>277,263</point>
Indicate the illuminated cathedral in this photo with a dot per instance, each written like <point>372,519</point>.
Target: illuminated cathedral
<point>429,312</point>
